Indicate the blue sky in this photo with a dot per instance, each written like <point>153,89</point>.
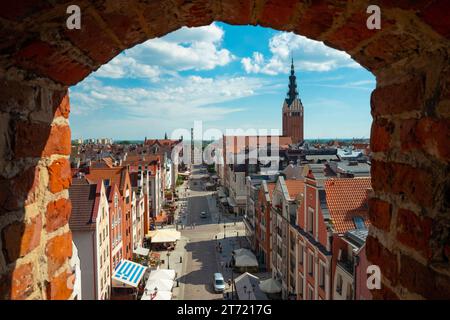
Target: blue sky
<point>229,77</point>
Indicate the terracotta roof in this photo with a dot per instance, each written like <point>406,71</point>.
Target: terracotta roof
<point>82,195</point>
<point>347,198</point>
<point>162,142</point>
<point>236,144</point>
<point>114,175</point>
<point>294,187</point>
<point>270,187</point>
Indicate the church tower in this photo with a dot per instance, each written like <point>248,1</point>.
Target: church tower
<point>293,111</point>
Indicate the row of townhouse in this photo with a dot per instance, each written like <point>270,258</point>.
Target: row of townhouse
<point>310,233</point>
<point>113,208</point>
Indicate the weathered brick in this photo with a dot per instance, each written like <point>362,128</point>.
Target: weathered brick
<point>420,278</point>
<point>402,179</point>
<point>61,104</point>
<point>44,59</point>
<point>58,251</point>
<point>414,231</point>
<point>276,13</point>
<point>383,294</point>
<point>398,97</point>
<point>236,11</point>
<point>60,175</point>
<point>22,190</point>
<point>436,15</point>
<point>354,31</point>
<point>381,135</point>
<point>58,214</point>
<point>97,45</point>
<point>60,287</point>
<point>20,238</point>
<point>378,255</point>
<point>380,214</point>
<point>58,141</point>
<point>318,18</point>
<point>17,10</point>
<point>30,139</point>
<point>21,282</point>
<point>426,134</point>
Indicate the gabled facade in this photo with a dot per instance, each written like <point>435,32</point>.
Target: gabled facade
<point>89,223</point>
<point>285,199</point>
<point>263,224</point>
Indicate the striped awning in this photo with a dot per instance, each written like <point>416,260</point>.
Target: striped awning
<point>128,273</point>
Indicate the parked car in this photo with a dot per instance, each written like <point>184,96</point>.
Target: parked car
<point>203,215</point>
<point>218,283</point>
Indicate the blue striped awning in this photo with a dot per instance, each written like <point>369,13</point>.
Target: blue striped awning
<point>129,273</point>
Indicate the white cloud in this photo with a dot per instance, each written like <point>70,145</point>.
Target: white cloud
<point>311,56</point>
<point>184,49</point>
<point>179,100</point>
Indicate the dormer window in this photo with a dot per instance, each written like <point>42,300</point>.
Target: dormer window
<point>359,222</point>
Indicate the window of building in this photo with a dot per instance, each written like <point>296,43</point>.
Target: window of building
<point>310,220</point>
<point>321,275</point>
<point>339,284</point>
<point>300,286</point>
<point>359,222</point>
<point>311,264</point>
<point>310,293</point>
<point>300,254</point>
<point>349,291</point>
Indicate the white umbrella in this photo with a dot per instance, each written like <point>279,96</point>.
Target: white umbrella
<point>160,284</point>
<point>270,286</point>
<point>162,274</point>
<point>163,295</point>
<point>160,295</point>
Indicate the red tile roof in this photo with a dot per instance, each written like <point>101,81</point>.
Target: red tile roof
<point>82,195</point>
<point>347,198</point>
<point>114,175</point>
<point>236,144</point>
<point>294,187</point>
<point>270,187</point>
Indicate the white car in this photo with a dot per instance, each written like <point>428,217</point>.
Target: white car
<point>218,282</point>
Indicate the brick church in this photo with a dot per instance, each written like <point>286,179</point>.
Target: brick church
<point>293,111</point>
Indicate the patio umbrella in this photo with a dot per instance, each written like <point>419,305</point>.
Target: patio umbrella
<point>160,284</point>
<point>160,295</point>
<point>270,286</point>
<point>162,274</point>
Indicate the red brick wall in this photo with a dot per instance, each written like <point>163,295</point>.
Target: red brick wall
<point>35,173</point>
<point>410,132</point>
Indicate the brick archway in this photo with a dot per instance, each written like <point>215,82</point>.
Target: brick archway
<point>39,58</point>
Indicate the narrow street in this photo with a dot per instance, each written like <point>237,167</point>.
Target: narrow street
<point>202,258</point>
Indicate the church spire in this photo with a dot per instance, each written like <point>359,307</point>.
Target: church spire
<point>292,94</point>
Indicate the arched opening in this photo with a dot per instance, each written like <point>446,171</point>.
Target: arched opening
<point>409,57</point>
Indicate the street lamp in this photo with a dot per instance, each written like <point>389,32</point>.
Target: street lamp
<point>224,227</point>
<point>168,259</point>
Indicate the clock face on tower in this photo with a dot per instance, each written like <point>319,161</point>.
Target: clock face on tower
<point>293,111</point>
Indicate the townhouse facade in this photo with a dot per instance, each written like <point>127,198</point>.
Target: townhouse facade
<point>90,225</point>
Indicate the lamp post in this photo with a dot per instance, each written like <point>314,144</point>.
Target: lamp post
<point>168,259</point>
<point>224,227</point>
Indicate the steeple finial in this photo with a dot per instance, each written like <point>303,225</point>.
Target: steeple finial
<point>292,94</point>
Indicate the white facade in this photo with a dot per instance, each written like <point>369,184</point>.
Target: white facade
<point>103,249</point>
<point>75,264</point>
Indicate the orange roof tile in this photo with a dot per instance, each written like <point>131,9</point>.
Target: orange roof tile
<point>347,198</point>
<point>236,144</point>
<point>294,187</point>
<point>113,174</point>
<point>270,187</point>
